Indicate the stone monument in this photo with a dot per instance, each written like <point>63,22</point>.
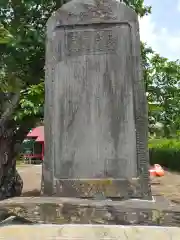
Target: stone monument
<point>95,107</point>
<point>95,133</point>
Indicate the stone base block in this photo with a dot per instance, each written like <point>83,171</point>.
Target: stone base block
<point>91,188</point>
<point>53,210</point>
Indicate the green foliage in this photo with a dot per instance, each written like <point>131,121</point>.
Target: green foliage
<point>162,82</point>
<point>138,6</point>
<point>31,101</point>
<point>22,59</point>
<point>166,152</point>
<point>165,91</point>
<point>164,143</point>
<point>5,36</point>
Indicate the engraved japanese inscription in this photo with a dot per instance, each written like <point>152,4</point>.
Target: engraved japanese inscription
<point>95,41</point>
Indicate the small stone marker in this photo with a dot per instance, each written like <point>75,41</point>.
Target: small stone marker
<point>95,110</point>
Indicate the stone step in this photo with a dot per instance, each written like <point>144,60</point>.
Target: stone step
<point>89,232</point>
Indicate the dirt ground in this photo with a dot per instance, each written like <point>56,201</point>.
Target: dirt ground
<point>31,175</point>
<point>167,186</point>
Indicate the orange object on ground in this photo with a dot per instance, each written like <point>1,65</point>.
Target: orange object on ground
<point>157,171</point>
<point>152,172</point>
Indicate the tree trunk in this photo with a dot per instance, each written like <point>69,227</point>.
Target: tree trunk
<point>11,184</point>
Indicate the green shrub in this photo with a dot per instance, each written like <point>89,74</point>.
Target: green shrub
<point>165,152</point>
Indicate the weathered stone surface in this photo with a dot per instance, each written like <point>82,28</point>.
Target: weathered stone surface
<point>95,111</point>
<point>54,210</point>
<point>114,188</point>
<point>84,232</point>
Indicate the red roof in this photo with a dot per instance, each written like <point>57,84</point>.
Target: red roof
<point>38,133</point>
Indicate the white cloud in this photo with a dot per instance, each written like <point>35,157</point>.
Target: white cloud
<point>161,40</point>
<point>178,5</point>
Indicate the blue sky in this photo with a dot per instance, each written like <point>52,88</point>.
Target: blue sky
<point>161,29</point>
